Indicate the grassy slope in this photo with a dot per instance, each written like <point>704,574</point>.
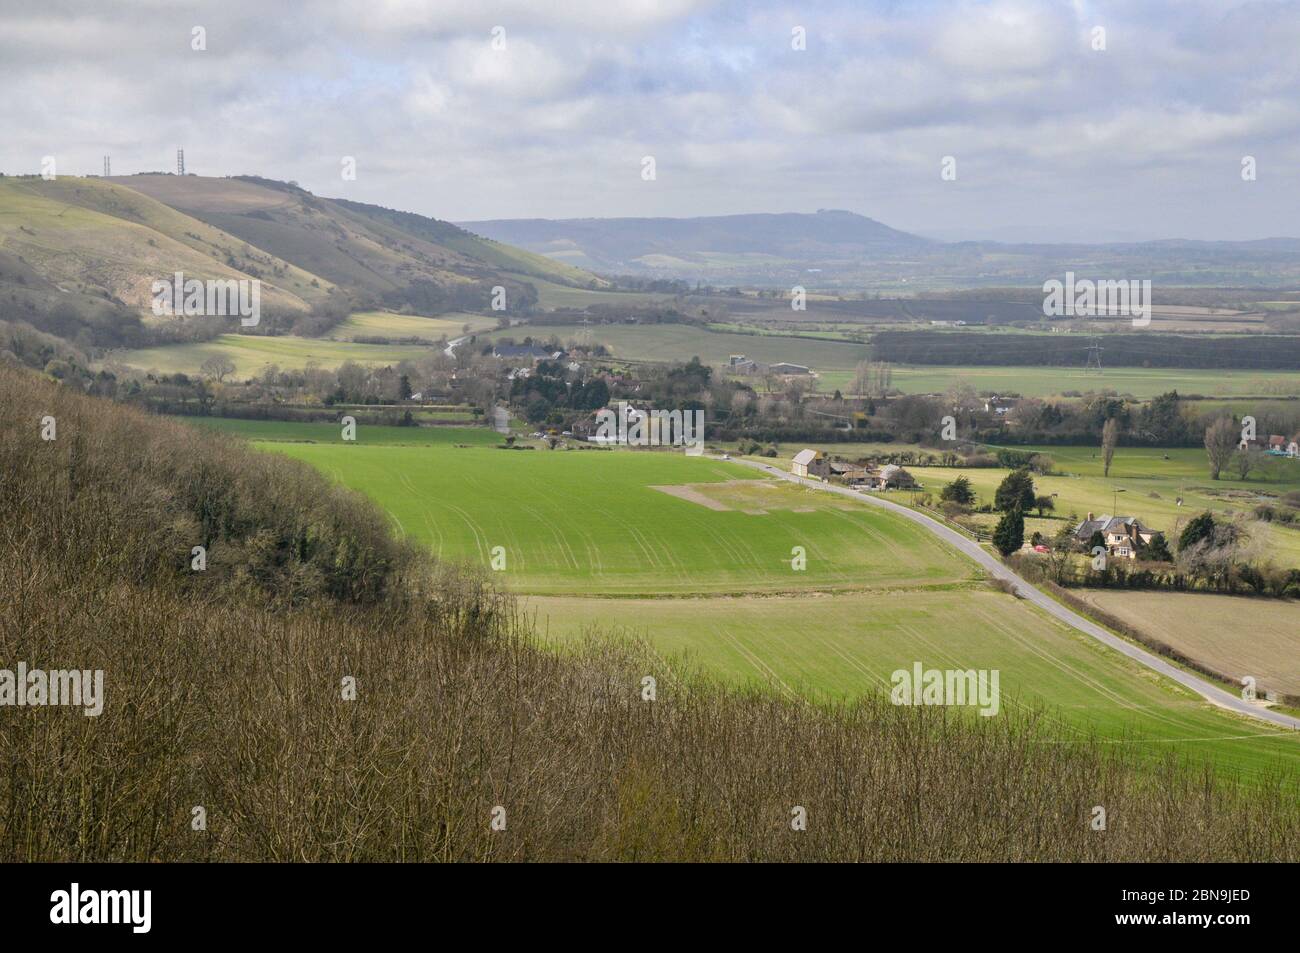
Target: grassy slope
<point>517,260</point>
<point>587,523</point>
<point>83,232</point>
<point>358,245</point>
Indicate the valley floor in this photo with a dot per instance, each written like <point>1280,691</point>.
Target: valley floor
<point>594,542</point>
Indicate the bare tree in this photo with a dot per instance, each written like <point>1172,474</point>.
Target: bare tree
<point>218,367</point>
<point>1221,439</point>
<point>862,378</point>
<point>1109,438</point>
<point>1243,461</point>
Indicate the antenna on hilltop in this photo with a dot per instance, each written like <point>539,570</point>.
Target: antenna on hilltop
<point>108,167</point>
<point>1094,355</point>
<point>180,161</point>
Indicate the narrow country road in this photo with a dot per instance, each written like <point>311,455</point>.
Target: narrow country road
<point>1211,693</point>
<point>501,420</point>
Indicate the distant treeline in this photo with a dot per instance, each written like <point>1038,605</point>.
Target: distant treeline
<point>1257,352</point>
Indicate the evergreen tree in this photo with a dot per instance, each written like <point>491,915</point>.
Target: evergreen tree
<point>1156,551</point>
<point>1016,491</point>
<point>1199,528</point>
<point>958,491</point>
<point>1009,535</point>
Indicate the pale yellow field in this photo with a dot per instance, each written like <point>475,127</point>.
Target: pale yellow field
<point>387,324</point>
<point>1236,635</point>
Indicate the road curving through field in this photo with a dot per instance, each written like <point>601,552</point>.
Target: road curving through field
<point>1211,693</point>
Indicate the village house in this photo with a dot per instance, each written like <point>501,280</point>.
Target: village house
<point>1281,446</point>
<point>810,463</point>
<point>1122,534</point>
<point>589,427</point>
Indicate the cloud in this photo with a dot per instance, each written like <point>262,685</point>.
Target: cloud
<point>1044,127</point>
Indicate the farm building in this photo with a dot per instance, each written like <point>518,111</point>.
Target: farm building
<point>1122,534</point>
<point>850,473</point>
<point>530,352</point>
<point>739,364</point>
<point>810,463</point>
<point>889,476</point>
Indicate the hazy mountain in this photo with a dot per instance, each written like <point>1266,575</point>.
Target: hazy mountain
<point>843,250</point>
<point>631,244</point>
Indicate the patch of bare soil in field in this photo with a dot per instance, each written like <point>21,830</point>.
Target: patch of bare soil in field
<point>686,491</point>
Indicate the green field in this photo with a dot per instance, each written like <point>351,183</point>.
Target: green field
<point>366,435</point>
<point>841,646</point>
<point>252,355</point>
<point>1143,483</point>
<point>1141,382</point>
<point>593,521</point>
<point>390,325</point>
<point>681,342</point>
<point>551,295</point>
<point>835,362</point>
<point>592,540</point>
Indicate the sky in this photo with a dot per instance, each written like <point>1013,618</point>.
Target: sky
<point>474,109</point>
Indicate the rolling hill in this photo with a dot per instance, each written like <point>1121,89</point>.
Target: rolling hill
<point>78,256</point>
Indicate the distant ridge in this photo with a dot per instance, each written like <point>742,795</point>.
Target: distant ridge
<point>631,243</point>
<point>836,249</point>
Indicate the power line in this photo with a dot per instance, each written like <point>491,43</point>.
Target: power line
<point>1094,355</point>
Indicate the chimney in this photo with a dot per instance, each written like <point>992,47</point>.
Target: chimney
<point>1089,517</point>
